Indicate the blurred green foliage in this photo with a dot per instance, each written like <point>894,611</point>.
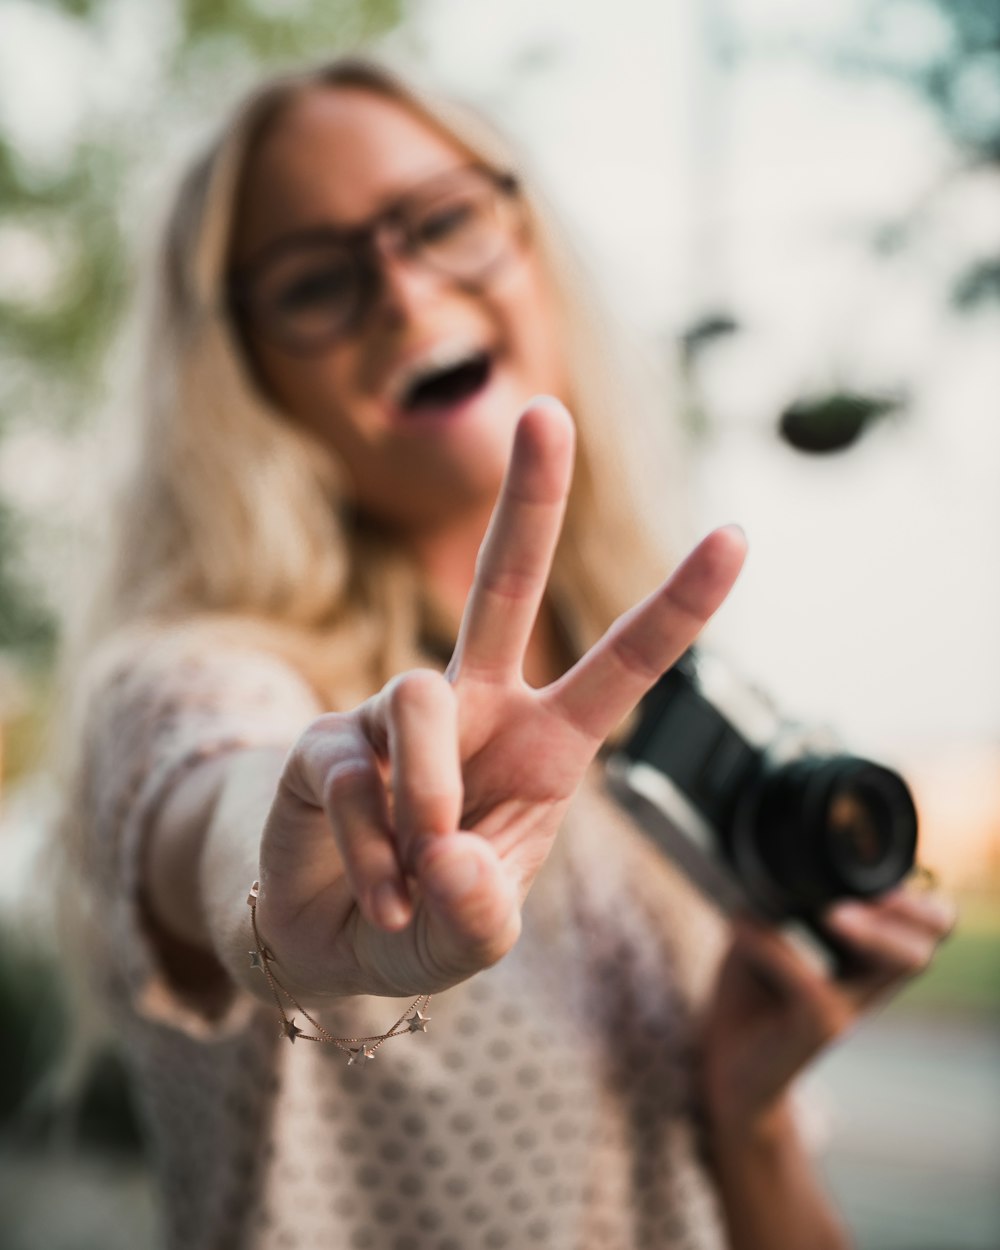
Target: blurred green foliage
<point>832,422</point>
<point>33,1018</point>
<point>947,54</point>
<point>26,627</point>
<point>65,333</point>
<point>71,218</point>
<point>965,974</point>
<point>291,31</point>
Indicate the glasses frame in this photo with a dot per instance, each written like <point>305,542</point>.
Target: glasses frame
<point>363,241</point>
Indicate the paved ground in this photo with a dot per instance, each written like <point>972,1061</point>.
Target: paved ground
<point>914,1122</point>
<point>60,1201</point>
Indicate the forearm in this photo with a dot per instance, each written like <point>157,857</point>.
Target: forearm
<point>771,1195</point>
<point>202,855</point>
<point>230,861</point>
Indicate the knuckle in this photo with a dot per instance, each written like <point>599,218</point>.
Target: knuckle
<point>914,959</point>
<point>304,763</point>
<point>477,944</point>
<point>345,779</point>
<point>685,604</point>
<point>431,810</point>
<point>632,659</point>
<point>319,736</point>
<point>509,584</point>
<point>420,690</point>
<point>942,914</point>
<point>901,960</point>
<point>370,860</point>
<point>324,726</point>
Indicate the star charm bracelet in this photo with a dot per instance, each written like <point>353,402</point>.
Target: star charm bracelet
<point>359,1050</point>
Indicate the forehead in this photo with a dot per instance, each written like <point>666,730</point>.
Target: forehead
<point>334,156</point>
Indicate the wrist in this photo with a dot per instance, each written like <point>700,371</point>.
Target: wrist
<point>765,1131</point>
<point>230,859</point>
<point>771,1194</point>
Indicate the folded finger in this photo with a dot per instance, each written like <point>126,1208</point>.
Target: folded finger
<point>604,686</point>
<point>471,909</point>
<point>348,781</point>
<point>514,560</point>
<point>933,912</point>
<point>422,725</point>
<point>888,947</point>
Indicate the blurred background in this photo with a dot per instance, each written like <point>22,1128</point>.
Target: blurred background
<point>797,208</point>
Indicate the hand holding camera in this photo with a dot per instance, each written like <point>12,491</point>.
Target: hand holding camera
<point>805,847</point>
<point>764,815</point>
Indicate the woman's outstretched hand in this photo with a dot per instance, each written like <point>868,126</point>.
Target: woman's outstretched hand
<point>405,834</point>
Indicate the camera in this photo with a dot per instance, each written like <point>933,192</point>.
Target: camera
<point>760,812</point>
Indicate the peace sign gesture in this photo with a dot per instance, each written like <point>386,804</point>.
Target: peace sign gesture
<point>405,834</point>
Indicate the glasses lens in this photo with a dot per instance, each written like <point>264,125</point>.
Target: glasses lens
<point>316,290</point>
<point>308,296</point>
<point>463,229</point>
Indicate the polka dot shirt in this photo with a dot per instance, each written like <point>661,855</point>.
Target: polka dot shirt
<point>551,1102</point>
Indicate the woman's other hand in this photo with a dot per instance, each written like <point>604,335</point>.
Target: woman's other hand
<point>405,834</point>
<point>772,1013</point>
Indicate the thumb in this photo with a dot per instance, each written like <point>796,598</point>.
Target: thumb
<point>471,904</point>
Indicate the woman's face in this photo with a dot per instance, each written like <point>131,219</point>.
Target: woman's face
<point>419,393</point>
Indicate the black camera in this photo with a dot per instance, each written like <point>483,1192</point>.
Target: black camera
<point>761,814</point>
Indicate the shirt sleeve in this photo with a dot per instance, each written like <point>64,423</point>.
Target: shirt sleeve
<point>158,704</point>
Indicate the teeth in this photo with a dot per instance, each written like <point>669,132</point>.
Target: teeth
<point>445,355</point>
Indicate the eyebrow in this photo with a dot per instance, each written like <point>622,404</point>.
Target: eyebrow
<point>322,232</point>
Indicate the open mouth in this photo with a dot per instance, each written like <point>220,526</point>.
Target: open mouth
<point>444,387</point>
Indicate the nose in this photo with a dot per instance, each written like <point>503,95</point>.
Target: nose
<point>405,286</point>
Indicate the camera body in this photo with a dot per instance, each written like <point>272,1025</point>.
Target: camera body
<point>762,814</point>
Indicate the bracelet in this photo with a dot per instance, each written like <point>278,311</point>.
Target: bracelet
<point>359,1050</point>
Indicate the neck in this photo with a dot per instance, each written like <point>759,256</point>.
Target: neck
<point>446,556</point>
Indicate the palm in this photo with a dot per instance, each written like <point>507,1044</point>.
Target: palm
<point>439,781</point>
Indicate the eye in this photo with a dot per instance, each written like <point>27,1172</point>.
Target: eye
<point>444,221</point>
<point>332,284</point>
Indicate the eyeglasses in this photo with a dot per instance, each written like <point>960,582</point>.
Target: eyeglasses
<point>311,288</point>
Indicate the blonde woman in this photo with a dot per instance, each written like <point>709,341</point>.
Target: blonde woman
<point>333,761</point>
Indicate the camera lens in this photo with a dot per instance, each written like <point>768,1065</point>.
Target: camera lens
<point>857,826</point>
<point>829,827</point>
<point>870,828</point>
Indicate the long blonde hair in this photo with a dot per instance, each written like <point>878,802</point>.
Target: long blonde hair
<point>231,514</point>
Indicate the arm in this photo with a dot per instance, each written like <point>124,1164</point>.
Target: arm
<point>202,847</point>
<point>770,1016</point>
<point>771,1195</point>
<point>395,843</point>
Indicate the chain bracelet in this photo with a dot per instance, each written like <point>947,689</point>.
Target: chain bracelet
<point>359,1050</point>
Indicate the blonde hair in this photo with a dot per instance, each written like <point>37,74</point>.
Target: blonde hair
<point>232,515</point>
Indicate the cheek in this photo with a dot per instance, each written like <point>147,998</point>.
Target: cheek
<point>535,331</point>
<point>312,391</point>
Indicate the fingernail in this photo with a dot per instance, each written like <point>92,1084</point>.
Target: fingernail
<point>548,401</point>
<point>391,906</point>
<point>449,875</point>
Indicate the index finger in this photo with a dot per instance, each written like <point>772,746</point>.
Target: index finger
<point>606,684</point>
<point>516,554</point>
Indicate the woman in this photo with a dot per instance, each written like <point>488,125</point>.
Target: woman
<point>356,301</point>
